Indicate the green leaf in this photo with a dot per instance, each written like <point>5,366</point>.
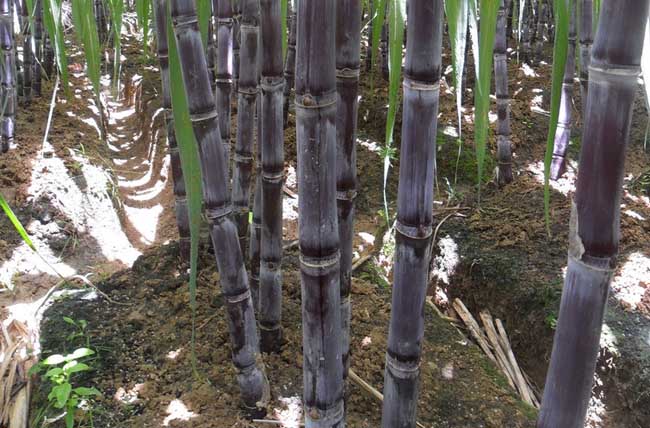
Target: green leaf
<point>560,48</point>
<point>379,15</point>
<point>488,12</point>
<point>143,13</point>
<point>75,367</point>
<point>52,18</point>
<point>53,360</point>
<point>85,24</point>
<point>188,149</point>
<point>203,13</point>
<point>87,392</point>
<point>35,369</point>
<point>16,223</point>
<point>457,16</point>
<point>60,393</point>
<point>284,10</point>
<point>116,8</point>
<point>69,417</point>
<point>79,353</point>
<point>396,18</point>
<point>56,371</point>
<point>70,321</point>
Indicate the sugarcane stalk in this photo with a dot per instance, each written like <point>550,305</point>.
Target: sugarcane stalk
<point>272,148</point>
<point>246,101</point>
<point>233,277</point>
<point>38,45</point>
<point>504,149</point>
<point>595,218</point>
<point>383,46</point>
<point>585,33</point>
<point>290,61</point>
<point>368,59</point>
<point>255,240</point>
<point>212,57</point>
<point>28,55</point>
<point>48,56</point>
<point>348,64</point>
<point>526,23</point>
<point>563,132</point>
<point>180,196</point>
<point>100,18</point>
<point>542,24</point>
<point>236,47</point>
<point>315,103</point>
<point>224,68</point>
<point>7,76</point>
<point>414,224</point>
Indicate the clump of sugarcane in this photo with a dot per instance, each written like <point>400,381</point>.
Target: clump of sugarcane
<point>38,45</point>
<point>28,55</point>
<point>414,224</point>
<point>246,101</point>
<point>315,103</point>
<point>7,76</point>
<point>290,60</point>
<point>504,150</point>
<point>224,67</point>
<point>348,64</point>
<point>272,149</point>
<point>585,33</point>
<point>182,217</point>
<point>595,218</point>
<point>563,131</point>
<point>233,278</point>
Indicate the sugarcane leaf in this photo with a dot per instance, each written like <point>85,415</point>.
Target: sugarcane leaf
<point>143,13</point>
<point>16,223</point>
<point>84,21</point>
<point>283,17</point>
<point>457,18</point>
<point>204,13</point>
<point>488,15</point>
<point>52,18</point>
<point>188,149</point>
<point>520,20</point>
<point>396,16</point>
<point>473,33</point>
<point>560,48</point>
<point>116,8</point>
<point>378,16</point>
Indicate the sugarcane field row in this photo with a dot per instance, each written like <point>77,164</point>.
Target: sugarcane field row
<point>324,213</point>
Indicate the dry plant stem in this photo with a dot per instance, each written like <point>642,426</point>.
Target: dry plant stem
<point>272,148</point>
<point>252,380</point>
<point>318,229</point>
<point>414,225</point>
<point>595,218</point>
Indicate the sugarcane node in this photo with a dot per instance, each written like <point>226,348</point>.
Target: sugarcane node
<point>320,266</point>
<point>420,86</point>
<point>217,214</point>
<point>402,369</point>
<point>421,231</point>
<point>309,101</point>
<point>348,73</point>
<point>203,116</point>
<point>346,195</point>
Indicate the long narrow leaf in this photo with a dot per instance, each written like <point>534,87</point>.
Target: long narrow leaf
<point>188,150</point>
<point>52,18</point>
<point>397,16</point>
<point>16,223</point>
<point>143,13</point>
<point>284,6</point>
<point>117,10</point>
<point>457,14</point>
<point>378,16</point>
<point>560,48</point>
<point>84,21</point>
<point>204,14</point>
<point>488,12</point>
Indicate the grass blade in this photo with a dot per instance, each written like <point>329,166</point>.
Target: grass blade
<point>378,15</point>
<point>117,10</point>
<point>190,164</point>
<point>143,13</point>
<point>488,13</point>
<point>560,48</point>
<point>204,13</point>
<point>52,19</point>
